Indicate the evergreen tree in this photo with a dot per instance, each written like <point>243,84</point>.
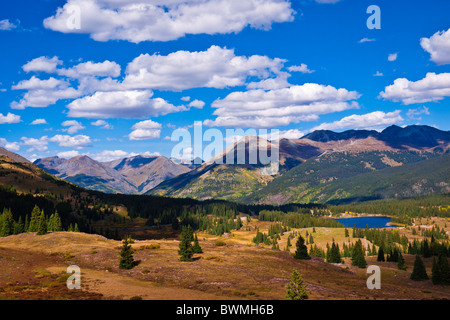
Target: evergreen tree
<point>358,258</point>
<point>126,255</point>
<point>347,234</point>
<point>196,247</point>
<point>35,214</point>
<point>380,257</point>
<point>296,289</point>
<point>27,224</point>
<point>444,268</point>
<point>75,228</point>
<point>440,271</point>
<point>57,226</point>
<point>333,254</point>
<point>42,224</point>
<point>19,227</point>
<point>426,249</point>
<point>7,223</point>
<point>186,251</point>
<point>401,265</point>
<point>419,272</point>
<point>302,249</point>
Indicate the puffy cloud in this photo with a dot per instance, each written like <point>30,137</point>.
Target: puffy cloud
<point>68,154</point>
<point>40,144</point>
<point>120,104</point>
<point>196,104</point>
<point>280,107</point>
<point>11,146</point>
<point>157,20</point>
<point>438,46</point>
<point>373,120</point>
<point>145,130</point>
<point>100,69</point>
<point>271,83</point>
<point>392,56</point>
<point>303,68</point>
<point>43,98</point>
<point>214,68</point>
<point>39,121</point>
<point>35,83</point>
<point>77,142</point>
<point>291,134</point>
<point>44,64</point>
<point>73,126</point>
<point>6,25</point>
<point>433,87</point>
<point>378,74</point>
<point>110,155</point>
<point>9,118</point>
<point>101,123</point>
<point>42,93</point>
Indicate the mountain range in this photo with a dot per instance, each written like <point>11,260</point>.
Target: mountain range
<point>323,166</point>
<point>135,175</point>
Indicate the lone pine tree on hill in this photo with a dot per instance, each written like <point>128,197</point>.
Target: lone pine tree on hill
<point>186,251</point>
<point>126,255</point>
<point>419,272</point>
<point>302,250</point>
<point>296,289</point>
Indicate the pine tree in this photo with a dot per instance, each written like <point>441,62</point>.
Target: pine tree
<point>7,223</point>
<point>302,249</point>
<point>126,255</point>
<point>196,247</point>
<point>42,224</point>
<point>380,257</point>
<point>445,269</point>
<point>57,226</point>
<point>19,227</point>
<point>419,272</point>
<point>440,270</point>
<point>186,251</point>
<point>401,265</point>
<point>296,289</point>
<point>35,213</point>
<point>347,234</point>
<point>358,258</point>
<point>333,254</point>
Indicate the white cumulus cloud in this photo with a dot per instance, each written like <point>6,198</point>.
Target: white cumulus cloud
<point>280,107</point>
<point>156,20</point>
<point>438,46</point>
<point>433,87</point>
<point>373,120</point>
<point>145,130</point>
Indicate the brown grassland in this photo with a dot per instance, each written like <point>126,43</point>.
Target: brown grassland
<point>34,267</point>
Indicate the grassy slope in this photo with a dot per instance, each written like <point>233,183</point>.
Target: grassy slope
<point>36,265</point>
<point>337,177</point>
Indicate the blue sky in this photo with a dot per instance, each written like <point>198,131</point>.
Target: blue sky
<point>113,78</point>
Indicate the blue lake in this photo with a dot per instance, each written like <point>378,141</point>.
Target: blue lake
<point>361,222</point>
